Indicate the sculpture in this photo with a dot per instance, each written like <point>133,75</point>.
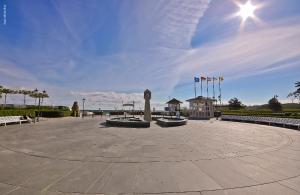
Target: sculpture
<point>75,109</point>
<point>147,111</point>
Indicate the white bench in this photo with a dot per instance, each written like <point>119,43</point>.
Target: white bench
<point>11,119</point>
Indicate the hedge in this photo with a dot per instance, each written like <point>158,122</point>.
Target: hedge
<point>15,112</point>
<point>53,113</point>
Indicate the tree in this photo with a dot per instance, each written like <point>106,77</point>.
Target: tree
<point>292,95</point>
<point>297,85</point>
<point>39,95</point>
<point>234,103</point>
<point>25,93</point>
<point>295,94</point>
<point>274,104</point>
<point>44,95</point>
<point>7,91</point>
<point>1,88</point>
<point>34,94</point>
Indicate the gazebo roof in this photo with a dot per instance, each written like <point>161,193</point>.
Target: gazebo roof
<point>174,101</point>
<point>201,98</point>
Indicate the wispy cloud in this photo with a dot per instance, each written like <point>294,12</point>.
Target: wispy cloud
<point>252,53</point>
<point>160,23</point>
<point>113,100</point>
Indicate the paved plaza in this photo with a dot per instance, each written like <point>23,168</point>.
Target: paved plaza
<point>82,156</point>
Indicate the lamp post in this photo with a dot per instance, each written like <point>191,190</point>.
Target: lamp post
<point>37,94</point>
<point>83,100</point>
<point>44,93</point>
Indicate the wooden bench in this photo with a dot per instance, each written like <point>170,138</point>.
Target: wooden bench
<point>12,119</point>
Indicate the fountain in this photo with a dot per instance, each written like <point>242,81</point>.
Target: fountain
<point>134,121</point>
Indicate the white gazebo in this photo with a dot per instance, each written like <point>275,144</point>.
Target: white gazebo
<point>174,105</point>
<point>201,108</point>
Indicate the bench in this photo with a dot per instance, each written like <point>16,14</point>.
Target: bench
<point>285,122</point>
<point>12,119</point>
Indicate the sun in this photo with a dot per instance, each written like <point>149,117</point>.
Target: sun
<point>246,10</point>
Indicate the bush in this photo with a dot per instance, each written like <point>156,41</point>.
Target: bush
<point>275,105</point>
<point>116,113</point>
<point>53,113</point>
<point>17,112</point>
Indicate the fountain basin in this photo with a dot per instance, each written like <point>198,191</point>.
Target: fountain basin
<point>171,122</point>
<point>127,122</point>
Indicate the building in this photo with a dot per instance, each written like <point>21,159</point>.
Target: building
<point>173,105</point>
<point>201,108</point>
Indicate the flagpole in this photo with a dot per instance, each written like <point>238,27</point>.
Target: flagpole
<point>195,88</point>
<point>213,87</point>
<point>207,87</point>
<point>201,85</point>
<point>220,91</point>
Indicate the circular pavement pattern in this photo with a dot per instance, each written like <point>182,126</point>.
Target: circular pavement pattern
<point>82,156</point>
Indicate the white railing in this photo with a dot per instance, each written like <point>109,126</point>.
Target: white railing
<point>285,122</point>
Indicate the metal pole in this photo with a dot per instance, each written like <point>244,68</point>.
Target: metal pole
<point>83,100</point>
<point>195,89</point>
<point>207,87</point>
<point>38,118</point>
<point>201,86</point>
<point>213,87</point>
<point>220,92</point>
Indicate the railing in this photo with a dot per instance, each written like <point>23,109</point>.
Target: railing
<point>284,122</point>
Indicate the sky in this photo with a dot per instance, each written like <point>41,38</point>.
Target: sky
<point>110,51</point>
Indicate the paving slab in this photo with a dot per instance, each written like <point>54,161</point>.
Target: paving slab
<point>274,189</point>
<point>80,156</point>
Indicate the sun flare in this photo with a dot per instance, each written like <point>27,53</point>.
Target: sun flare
<point>246,10</point>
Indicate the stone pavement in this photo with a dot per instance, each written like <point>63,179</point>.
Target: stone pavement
<point>81,156</point>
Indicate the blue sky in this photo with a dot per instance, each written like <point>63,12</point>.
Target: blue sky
<point>110,51</point>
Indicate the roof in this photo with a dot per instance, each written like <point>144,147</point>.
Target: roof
<point>201,98</point>
<point>174,101</point>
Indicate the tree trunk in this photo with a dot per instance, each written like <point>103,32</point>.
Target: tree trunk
<point>24,100</point>
<point>5,100</point>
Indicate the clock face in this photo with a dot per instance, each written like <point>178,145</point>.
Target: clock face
<point>147,95</point>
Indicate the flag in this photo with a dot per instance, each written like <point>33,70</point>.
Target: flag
<point>208,78</point>
<point>196,79</point>
<point>203,78</point>
<point>221,78</point>
<point>215,79</point>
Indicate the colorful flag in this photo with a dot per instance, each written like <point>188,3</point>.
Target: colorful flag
<point>221,78</point>
<point>208,78</point>
<point>203,78</point>
<point>196,79</point>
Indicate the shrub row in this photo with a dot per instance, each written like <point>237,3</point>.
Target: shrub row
<point>53,113</point>
<point>17,112</point>
<point>281,115</point>
<point>33,113</point>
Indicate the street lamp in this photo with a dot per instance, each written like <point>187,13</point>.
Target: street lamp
<point>38,95</point>
<point>44,93</point>
<point>83,100</point>
<point>35,92</point>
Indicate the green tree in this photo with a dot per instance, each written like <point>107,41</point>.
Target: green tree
<point>274,104</point>
<point>25,93</point>
<point>292,96</point>
<point>235,103</point>
<point>43,95</point>
<point>1,88</point>
<point>295,94</point>
<point>39,95</point>
<point>7,91</point>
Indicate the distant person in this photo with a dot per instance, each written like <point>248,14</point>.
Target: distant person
<point>177,114</point>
